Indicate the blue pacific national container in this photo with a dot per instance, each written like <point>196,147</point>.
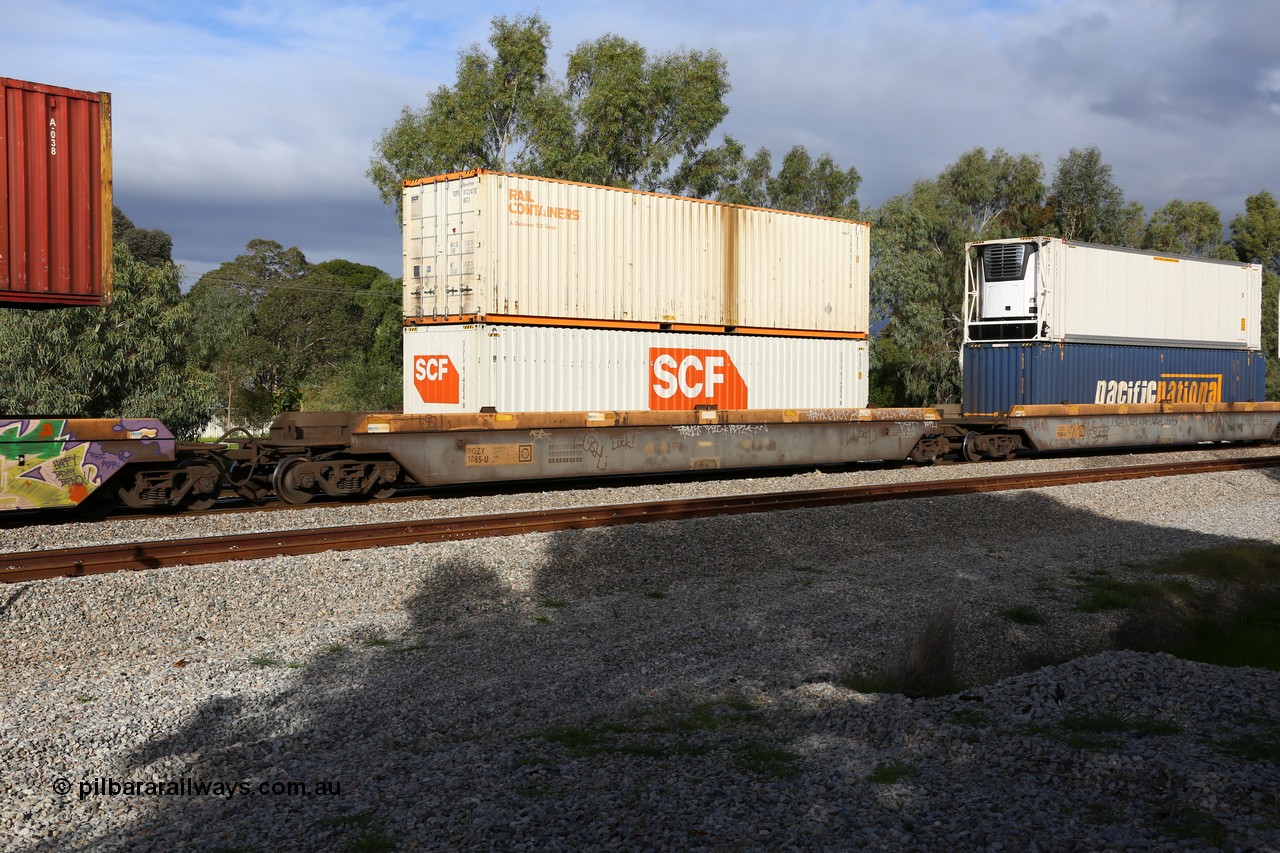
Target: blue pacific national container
<point>999,376</point>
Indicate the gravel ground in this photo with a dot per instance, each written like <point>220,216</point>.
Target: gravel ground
<point>667,686</point>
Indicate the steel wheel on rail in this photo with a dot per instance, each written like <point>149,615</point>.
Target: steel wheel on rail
<point>206,484</point>
<point>291,484</point>
<point>970,449</point>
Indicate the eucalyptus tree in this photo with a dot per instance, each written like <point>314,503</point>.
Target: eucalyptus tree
<point>620,117</point>
<point>270,323</point>
<point>1088,204</point>
<point>128,359</point>
<point>802,184</point>
<point>917,280</point>
<point>1187,228</point>
<point>1255,235</point>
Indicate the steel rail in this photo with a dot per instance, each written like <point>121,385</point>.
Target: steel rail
<point>36,565</point>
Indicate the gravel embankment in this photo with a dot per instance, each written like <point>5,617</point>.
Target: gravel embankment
<point>666,686</point>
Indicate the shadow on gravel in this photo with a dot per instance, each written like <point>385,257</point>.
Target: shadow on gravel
<point>617,692</point>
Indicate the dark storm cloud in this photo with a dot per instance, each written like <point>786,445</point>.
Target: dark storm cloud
<point>236,121</point>
<point>207,232</point>
<point>1164,64</point>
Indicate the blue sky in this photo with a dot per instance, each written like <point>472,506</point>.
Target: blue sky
<point>239,120</point>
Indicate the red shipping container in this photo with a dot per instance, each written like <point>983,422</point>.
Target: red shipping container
<point>55,196</point>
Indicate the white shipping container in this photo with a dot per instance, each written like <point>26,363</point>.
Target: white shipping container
<point>1057,290</point>
<point>464,368</point>
<point>510,248</point>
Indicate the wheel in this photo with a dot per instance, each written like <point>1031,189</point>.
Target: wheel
<point>206,485</point>
<point>287,484</point>
<point>969,449</point>
<point>390,479</point>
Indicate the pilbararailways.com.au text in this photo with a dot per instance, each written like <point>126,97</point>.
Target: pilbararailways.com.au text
<point>188,787</point>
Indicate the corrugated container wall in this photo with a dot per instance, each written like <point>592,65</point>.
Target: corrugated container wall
<point>463,368</point>
<point>511,248</point>
<point>1000,376</point>
<point>55,195</point>
<point>1088,293</point>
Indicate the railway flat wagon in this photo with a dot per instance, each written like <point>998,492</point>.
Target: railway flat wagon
<point>1074,346</point>
<point>55,196</point>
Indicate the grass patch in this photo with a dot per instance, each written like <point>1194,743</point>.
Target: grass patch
<point>926,667</point>
<point>335,648</point>
<point>1235,622</point>
<point>376,641</point>
<point>892,772</point>
<point>1263,746</point>
<point>267,661</point>
<point>656,593</point>
<point>1193,824</point>
<point>554,603</point>
<point>360,820</point>
<point>1103,731</point>
<point>668,733</point>
<point>1102,814</point>
<point>971,717</point>
<point>542,619</point>
<point>772,761</point>
<point>370,842</point>
<point>1022,614</point>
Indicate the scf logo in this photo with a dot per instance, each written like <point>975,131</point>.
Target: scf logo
<point>435,378</point>
<point>685,378</point>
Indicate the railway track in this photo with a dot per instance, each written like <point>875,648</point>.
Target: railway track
<point>37,565</point>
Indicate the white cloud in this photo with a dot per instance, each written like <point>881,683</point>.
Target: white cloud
<point>273,106</point>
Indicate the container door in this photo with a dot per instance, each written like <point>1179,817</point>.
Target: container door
<point>457,230</point>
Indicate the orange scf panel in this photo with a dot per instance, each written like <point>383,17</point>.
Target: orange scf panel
<point>55,196</point>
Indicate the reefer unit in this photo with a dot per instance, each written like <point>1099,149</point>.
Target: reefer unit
<point>55,195</point>
<point>465,368</point>
<point>1050,289</point>
<point>496,247</point>
<point>998,376</point>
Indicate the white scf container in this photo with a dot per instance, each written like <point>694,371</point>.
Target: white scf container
<point>465,368</point>
<point>502,248</point>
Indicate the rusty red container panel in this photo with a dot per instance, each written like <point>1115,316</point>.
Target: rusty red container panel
<point>55,195</point>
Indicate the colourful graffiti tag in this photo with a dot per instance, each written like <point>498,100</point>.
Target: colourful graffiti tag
<point>41,467</point>
<point>44,464</point>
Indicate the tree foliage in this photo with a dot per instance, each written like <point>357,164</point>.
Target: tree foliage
<point>917,281</point>
<point>1255,236</point>
<point>150,246</point>
<point>1187,228</point>
<point>277,333</point>
<point>128,359</point>
<point>1088,204</point>
<point>621,117</point>
<point>802,184</point>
